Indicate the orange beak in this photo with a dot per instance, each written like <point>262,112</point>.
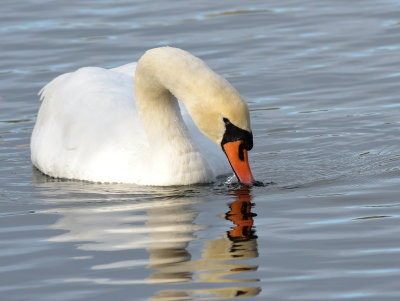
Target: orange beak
<point>238,159</point>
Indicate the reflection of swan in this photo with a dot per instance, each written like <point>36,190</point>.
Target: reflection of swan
<point>219,259</point>
<point>164,227</point>
<point>121,226</point>
<point>88,127</point>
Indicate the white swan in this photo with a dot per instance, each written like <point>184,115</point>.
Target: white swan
<point>89,128</point>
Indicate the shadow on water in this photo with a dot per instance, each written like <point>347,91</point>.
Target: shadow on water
<point>163,223</point>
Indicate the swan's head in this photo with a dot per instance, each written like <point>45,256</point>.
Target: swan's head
<point>223,116</point>
<point>235,143</point>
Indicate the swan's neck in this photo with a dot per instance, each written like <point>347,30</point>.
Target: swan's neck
<point>162,120</point>
<point>159,77</point>
<point>156,104</point>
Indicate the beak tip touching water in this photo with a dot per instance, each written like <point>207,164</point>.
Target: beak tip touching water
<point>246,179</point>
<point>238,159</point>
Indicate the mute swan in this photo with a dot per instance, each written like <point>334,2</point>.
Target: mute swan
<point>89,128</point>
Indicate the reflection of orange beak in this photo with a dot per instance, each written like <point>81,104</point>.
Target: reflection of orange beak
<point>237,157</point>
<point>241,215</point>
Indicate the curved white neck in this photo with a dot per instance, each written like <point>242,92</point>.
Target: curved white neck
<point>161,74</point>
<point>156,105</point>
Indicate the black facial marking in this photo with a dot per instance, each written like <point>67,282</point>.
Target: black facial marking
<point>234,133</point>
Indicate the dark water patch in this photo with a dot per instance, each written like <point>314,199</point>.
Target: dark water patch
<point>15,121</point>
<point>237,12</point>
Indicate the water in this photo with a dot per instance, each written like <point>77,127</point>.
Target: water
<point>322,82</point>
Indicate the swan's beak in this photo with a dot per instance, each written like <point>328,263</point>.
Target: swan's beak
<point>237,156</point>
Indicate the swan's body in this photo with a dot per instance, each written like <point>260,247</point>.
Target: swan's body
<point>90,128</point>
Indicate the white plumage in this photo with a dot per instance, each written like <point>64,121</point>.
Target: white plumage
<point>88,128</point>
